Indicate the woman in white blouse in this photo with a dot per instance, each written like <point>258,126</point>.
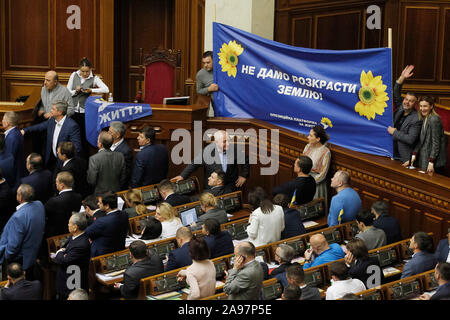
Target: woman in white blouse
<point>168,217</point>
<point>266,221</point>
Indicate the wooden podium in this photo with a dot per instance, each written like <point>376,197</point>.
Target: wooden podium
<point>24,109</point>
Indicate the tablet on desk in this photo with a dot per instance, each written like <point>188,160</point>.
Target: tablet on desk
<point>189,216</point>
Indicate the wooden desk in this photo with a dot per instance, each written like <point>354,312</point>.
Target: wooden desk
<point>23,109</point>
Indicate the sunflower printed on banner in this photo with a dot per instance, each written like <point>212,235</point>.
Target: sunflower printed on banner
<point>348,92</point>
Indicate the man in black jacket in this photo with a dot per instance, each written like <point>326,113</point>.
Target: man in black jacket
<point>76,252</point>
<point>143,266</point>
<point>18,288</point>
<point>385,222</point>
<point>75,165</point>
<point>167,193</point>
<point>117,129</point>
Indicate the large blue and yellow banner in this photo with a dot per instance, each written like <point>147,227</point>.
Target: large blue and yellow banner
<point>348,92</point>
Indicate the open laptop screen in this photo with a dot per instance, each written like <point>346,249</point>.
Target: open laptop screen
<point>188,216</point>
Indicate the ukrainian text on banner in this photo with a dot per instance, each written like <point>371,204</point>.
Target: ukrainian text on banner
<point>348,92</point>
<point>100,113</point>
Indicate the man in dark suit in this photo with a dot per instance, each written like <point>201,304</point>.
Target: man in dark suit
<point>59,128</point>
<point>442,275</point>
<point>39,178</point>
<point>292,220</point>
<point>92,210</point>
<point>220,243</point>
<point>117,130</point>
<point>75,252</point>
<point>18,288</point>
<point>22,236</point>
<point>14,143</point>
<point>168,195</point>
<point>218,156</point>
<point>442,253</point>
<point>109,232</point>
<point>106,170</point>
<point>422,259</point>
<point>215,184</point>
<point>407,124</point>
<point>385,222</point>
<point>143,266</point>
<point>180,257</point>
<point>284,254</point>
<point>152,162</point>
<point>7,201</point>
<point>59,208</point>
<point>75,165</point>
<point>7,163</point>
<point>296,275</point>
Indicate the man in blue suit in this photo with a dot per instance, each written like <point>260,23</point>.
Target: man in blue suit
<point>108,233</point>
<point>59,128</point>
<point>152,162</point>
<point>422,259</point>
<point>7,163</point>
<point>180,257</point>
<point>39,178</point>
<point>14,143</point>
<point>442,276</point>
<point>22,235</point>
<point>442,253</point>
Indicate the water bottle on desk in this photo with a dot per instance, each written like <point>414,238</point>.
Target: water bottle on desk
<point>110,98</point>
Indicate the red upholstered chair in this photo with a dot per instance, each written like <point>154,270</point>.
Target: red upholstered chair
<point>444,113</point>
<point>159,75</point>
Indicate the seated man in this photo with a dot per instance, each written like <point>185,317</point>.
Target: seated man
<point>442,253</point>
<point>180,257</point>
<point>303,187</point>
<point>346,204</point>
<point>168,195</point>
<point>422,259</point>
<point>342,283</point>
<point>284,254</point>
<point>108,233</point>
<point>384,221</point>
<point>293,225</point>
<point>208,203</point>
<point>442,275</point>
<point>92,210</point>
<point>78,294</point>
<point>18,288</point>
<point>215,183</point>
<point>220,243</point>
<point>143,266</point>
<point>295,275</point>
<point>321,252</point>
<point>291,292</point>
<point>373,237</point>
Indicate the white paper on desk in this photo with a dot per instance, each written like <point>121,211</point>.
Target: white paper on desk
<point>151,208</point>
<point>272,265</point>
<point>235,242</point>
<point>390,270</point>
<point>106,278</point>
<point>298,259</point>
<point>120,203</point>
<point>53,255</point>
<point>309,224</point>
<point>229,215</point>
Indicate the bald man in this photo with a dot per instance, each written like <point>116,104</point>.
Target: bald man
<point>346,204</point>
<point>218,156</point>
<point>52,91</point>
<point>321,252</point>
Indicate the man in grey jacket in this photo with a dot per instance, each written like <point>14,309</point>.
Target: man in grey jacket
<point>407,124</point>
<point>53,91</point>
<point>106,169</point>
<point>244,281</point>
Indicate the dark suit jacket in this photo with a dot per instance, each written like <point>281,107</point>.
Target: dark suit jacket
<point>125,149</point>
<point>98,214</point>
<point>69,132</point>
<point>106,171</point>
<point>420,262</point>
<point>78,168</point>
<point>305,188</point>
<point>293,224</point>
<point>279,270</point>
<point>7,201</point>
<point>176,199</point>
<point>41,181</point>
<point>442,250</point>
<point>442,291</point>
<point>390,226</point>
<point>220,190</point>
<point>108,233</point>
<point>358,270</point>
<point>179,258</point>
<point>8,168</point>
<point>58,211</point>
<point>150,166</point>
<point>78,252</point>
<point>233,167</point>
<point>148,267</point>
<point>407,136</point>
<point>220,244</point>
<point>14,146</point>
<point>23,290</point>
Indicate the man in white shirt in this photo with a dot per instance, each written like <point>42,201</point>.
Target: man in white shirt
<point>341,284</point>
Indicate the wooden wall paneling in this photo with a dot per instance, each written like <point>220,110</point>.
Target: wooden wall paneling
<point>445,57</point>
<point>367,199</point>
<point>301,33</point>
<point>106,47</point>
<point>435,224</point>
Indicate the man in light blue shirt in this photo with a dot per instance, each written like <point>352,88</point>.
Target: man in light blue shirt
<point>321,252</point>
<point>346,204</point>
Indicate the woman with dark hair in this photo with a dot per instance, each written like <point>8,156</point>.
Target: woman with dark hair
<point>358,260</point>
<point>266,220</point>
<point>320,155</point>
<point>152,229</point>
<point>430,151</point>
<point>82,84</point>
<point>201,274</point>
